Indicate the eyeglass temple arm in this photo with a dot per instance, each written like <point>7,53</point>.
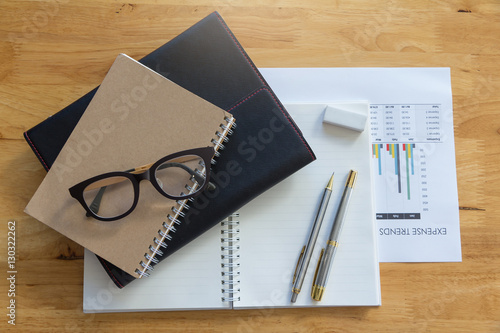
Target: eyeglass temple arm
<point>94,206</point>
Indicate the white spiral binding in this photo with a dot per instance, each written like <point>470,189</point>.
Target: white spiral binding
<point>177,212</point>
<point>230,259</point>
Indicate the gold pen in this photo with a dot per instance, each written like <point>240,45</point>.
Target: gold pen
<point>305,255</point>
<point>326,256</point>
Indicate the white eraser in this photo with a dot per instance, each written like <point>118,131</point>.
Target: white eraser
<point>349,115</point>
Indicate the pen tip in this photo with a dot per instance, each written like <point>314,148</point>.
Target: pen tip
<point>294,297</point>
<point>329,186</point>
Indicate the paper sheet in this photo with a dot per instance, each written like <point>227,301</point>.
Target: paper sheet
<point>413,155</point>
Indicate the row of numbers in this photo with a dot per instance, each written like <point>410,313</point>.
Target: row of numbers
<point>405,123</point>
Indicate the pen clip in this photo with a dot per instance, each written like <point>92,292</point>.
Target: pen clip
<point>298,263</point>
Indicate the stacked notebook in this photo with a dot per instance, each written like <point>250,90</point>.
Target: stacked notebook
<point>208,61</point>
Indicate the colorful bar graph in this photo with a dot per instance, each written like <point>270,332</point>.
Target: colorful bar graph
<point>396,151</point>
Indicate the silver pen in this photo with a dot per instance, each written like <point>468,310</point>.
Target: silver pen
<point>326,257</point>
<point>305,255</point>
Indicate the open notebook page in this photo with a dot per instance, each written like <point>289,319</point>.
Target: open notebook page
<point>276,225</point>
<point>188,279</point>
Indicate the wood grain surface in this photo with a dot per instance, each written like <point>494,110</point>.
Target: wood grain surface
<point>52,52</point>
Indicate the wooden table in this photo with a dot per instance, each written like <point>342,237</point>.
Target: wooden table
<point>52,52</point>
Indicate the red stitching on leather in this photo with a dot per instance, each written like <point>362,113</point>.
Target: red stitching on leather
<point>109,271</point>
<point>36,151</point>
<point>246,99</point>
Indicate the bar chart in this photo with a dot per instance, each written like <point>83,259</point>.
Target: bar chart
<point>402,138</point>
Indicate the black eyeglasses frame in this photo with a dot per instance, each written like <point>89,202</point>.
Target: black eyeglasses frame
<point>206,153</point>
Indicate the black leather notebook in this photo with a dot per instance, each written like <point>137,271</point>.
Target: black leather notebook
<point>265,148</point>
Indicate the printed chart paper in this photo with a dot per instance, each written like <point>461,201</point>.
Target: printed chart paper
<point>412,150</point>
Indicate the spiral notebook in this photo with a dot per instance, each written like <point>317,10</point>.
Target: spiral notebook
<point>135,118</point>
<point>247,261</point>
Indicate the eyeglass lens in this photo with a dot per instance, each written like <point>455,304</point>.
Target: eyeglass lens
<point>110,197</point>
<point>181,176</point>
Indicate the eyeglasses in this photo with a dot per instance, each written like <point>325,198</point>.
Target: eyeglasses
<point>114,195</point>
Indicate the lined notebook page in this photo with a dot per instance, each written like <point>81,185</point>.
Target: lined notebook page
<point>188,279</point>
<point>276,225</point>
